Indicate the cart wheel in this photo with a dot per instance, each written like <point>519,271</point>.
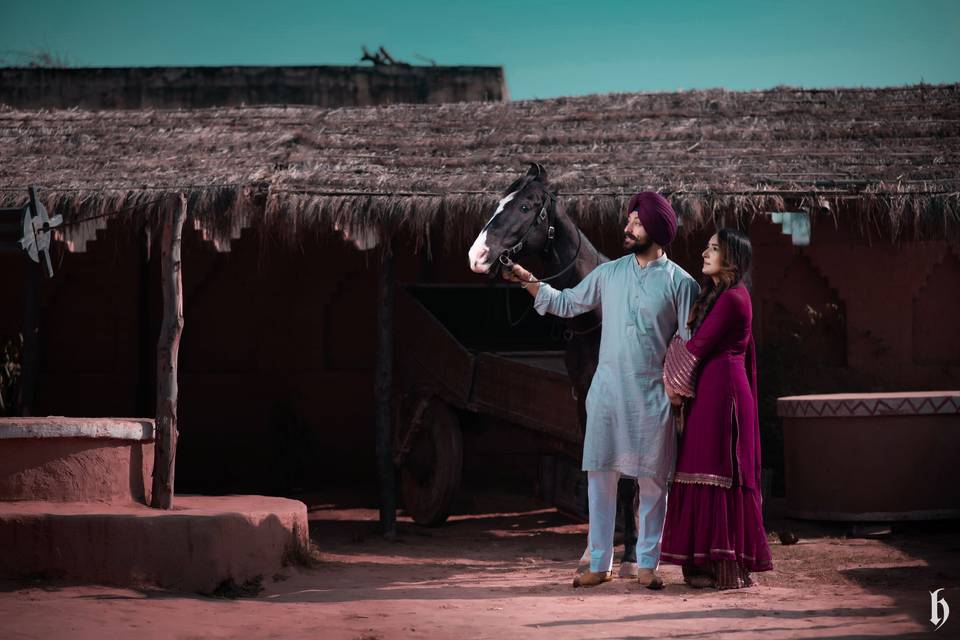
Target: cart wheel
<point>430,475</point>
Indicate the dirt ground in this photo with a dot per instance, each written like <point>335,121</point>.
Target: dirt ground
<point>503,570</point>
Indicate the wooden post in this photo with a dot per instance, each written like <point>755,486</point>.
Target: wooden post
<point>165,449</point>
<point>382,391</point>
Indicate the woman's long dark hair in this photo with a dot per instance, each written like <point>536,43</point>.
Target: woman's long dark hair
<point>736,254</point>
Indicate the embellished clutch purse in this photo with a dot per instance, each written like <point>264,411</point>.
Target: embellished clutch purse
<point>679,368</point>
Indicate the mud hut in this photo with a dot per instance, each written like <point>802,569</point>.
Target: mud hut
<point>852,197</point>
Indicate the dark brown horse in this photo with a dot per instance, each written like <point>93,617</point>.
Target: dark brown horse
<point>529,222</point>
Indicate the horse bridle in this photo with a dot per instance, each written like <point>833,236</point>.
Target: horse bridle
<point>507,255</point>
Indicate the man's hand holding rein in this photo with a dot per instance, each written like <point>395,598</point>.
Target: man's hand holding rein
<point>516,273</point>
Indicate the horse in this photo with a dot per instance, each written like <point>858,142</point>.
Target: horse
<point>529,222</point>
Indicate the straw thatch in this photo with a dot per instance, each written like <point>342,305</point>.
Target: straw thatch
<point>888,157</point>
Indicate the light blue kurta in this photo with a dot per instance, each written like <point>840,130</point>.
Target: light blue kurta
<point>629,426</point>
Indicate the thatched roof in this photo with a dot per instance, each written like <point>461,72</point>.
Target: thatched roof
<point>888,157</point>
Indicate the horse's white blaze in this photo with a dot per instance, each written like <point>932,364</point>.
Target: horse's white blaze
<point>479,250</point>
<point>478,254</point>
<point>503,202</point>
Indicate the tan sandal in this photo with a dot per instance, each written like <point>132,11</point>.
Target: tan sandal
<point>591,578</point>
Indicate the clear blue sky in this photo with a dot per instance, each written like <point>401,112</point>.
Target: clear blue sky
<point>550,48</point>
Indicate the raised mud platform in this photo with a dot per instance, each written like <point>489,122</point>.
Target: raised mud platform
<point>200,543</point>
<point>73,506</point>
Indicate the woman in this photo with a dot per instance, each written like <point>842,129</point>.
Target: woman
<point>714,527</point>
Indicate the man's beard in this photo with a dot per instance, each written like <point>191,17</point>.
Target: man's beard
<point>638,248</point>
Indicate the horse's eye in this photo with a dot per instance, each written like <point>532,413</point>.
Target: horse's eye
<point>524,208</point>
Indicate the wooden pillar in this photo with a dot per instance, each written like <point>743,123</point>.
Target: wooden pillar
<point>382,392</point>
<point>165,449</point>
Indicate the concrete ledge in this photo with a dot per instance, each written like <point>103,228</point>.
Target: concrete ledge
<point>860,405</point>
<point>139,429</point>
<point>193,547</point>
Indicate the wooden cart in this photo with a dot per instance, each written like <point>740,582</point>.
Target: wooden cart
<point>457,356</point>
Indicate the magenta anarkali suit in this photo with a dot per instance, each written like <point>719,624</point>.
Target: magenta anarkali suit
<point>714,507</point>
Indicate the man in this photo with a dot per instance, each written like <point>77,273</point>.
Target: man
<point>645,298</point>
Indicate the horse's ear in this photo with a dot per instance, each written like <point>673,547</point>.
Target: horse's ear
<point>537,172</point>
